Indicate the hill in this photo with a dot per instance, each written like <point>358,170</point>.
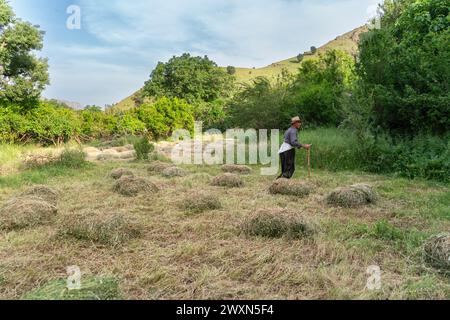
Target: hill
<point>347,42</point>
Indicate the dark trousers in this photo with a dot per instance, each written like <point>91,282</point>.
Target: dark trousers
<point>287,164</point>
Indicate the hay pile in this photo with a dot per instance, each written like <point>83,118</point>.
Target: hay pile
<point>132,186</point>
<point>290,188</point>
<point>437,252</point>
<point>239,169</point>
<point>277,223</point>
<point>201,202</point>
<point>106,229</point>
<point>353,196</point>
<point>42,192</point>
<point>174,172</point>
<point>92,288</point>
<point>229,180</point>
<point>116,174</point>
<point>27,211</point>
<point>158,166</point>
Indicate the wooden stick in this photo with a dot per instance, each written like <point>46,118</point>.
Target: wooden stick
<point>309,163</point>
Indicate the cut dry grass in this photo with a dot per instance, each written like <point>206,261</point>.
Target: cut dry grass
<point>158,166</point>
<point>106,229</point>
<point>239,169</point>
<point>277,223</point>
<point>24,212</point>
<point>172,172</point>
<point>437,252</point>
<point>92,288</point>
<point>201,202</point>
<point>118,173</point>
<point>353,196</point>
<point>229,180</point>
<point>291,188</point>
<point>45,193</point>
<point>132,186</point>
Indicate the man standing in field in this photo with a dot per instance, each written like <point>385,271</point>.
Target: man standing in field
<point>287,151</point>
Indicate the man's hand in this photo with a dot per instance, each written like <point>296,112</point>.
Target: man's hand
<point>307,146</point>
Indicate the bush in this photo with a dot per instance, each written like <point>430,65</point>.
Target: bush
<point>143,147</point>
<point>72,158</point>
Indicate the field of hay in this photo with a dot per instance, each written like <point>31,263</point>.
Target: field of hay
<point>188,238</point>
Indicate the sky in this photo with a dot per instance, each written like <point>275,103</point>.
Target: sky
<point>119,42</point>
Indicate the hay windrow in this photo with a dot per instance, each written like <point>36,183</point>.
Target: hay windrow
<point>174,172</point>
<point>354,196</point>
<point>291,188</point>
<point>239,169</point>
<point>277,223</point>
<point>437,252</point>
<point>229,180</point>
<point>43,192</point>
<point>105,229</point>
<point>92,288</point>
<point>132,186</point>
<point>158,166</point>
<point>120,172</point>
<point>24,212</point>
<point>201,202</point>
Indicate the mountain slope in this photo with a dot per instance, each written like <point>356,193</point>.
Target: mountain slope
<point>347,42</point>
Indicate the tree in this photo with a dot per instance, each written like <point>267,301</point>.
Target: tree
<point>231,70</point>
<point>405,66</point>
<point>320,85</point>
<point>190,78</point>
<point>23,76</point>
<point>313,50</point>
<point>300,57</point>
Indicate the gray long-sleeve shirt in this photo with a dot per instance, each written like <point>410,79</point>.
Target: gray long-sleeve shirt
<point>291,138</point>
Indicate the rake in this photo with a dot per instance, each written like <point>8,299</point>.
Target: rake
<point>308,159</point>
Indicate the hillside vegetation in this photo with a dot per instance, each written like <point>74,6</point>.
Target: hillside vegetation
<point>347,42</point>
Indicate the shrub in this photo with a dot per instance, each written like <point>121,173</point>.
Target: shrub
<point>143,147</point>
<point>276,223</point>
<point>92,288</point>
<point>23,212</point>
<point>72,158</point>
<point>109,229</point>
<point>132,186</point>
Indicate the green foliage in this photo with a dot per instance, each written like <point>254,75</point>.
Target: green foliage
<point>96,124</point>
<point>13,126</point>
<point>190,78</point>
<point>300,57</point>
<point>261,104</point>
<point>320,86</point>
<point>129,124</point>
<point>212,114</point>
<point>313,50</point>
<point>143,147</point>
<point>405,66</point>
<point>23,76</point>
<point>50,123</point>
<point>72,158</point>
<point>231,70</point>
<point>165,116</point>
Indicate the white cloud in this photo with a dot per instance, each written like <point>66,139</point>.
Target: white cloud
<point>131,36</point>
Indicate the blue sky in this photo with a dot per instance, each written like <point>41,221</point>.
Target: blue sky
<point>121,41</point>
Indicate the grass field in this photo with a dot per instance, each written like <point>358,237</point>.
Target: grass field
<point>187,255</point>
